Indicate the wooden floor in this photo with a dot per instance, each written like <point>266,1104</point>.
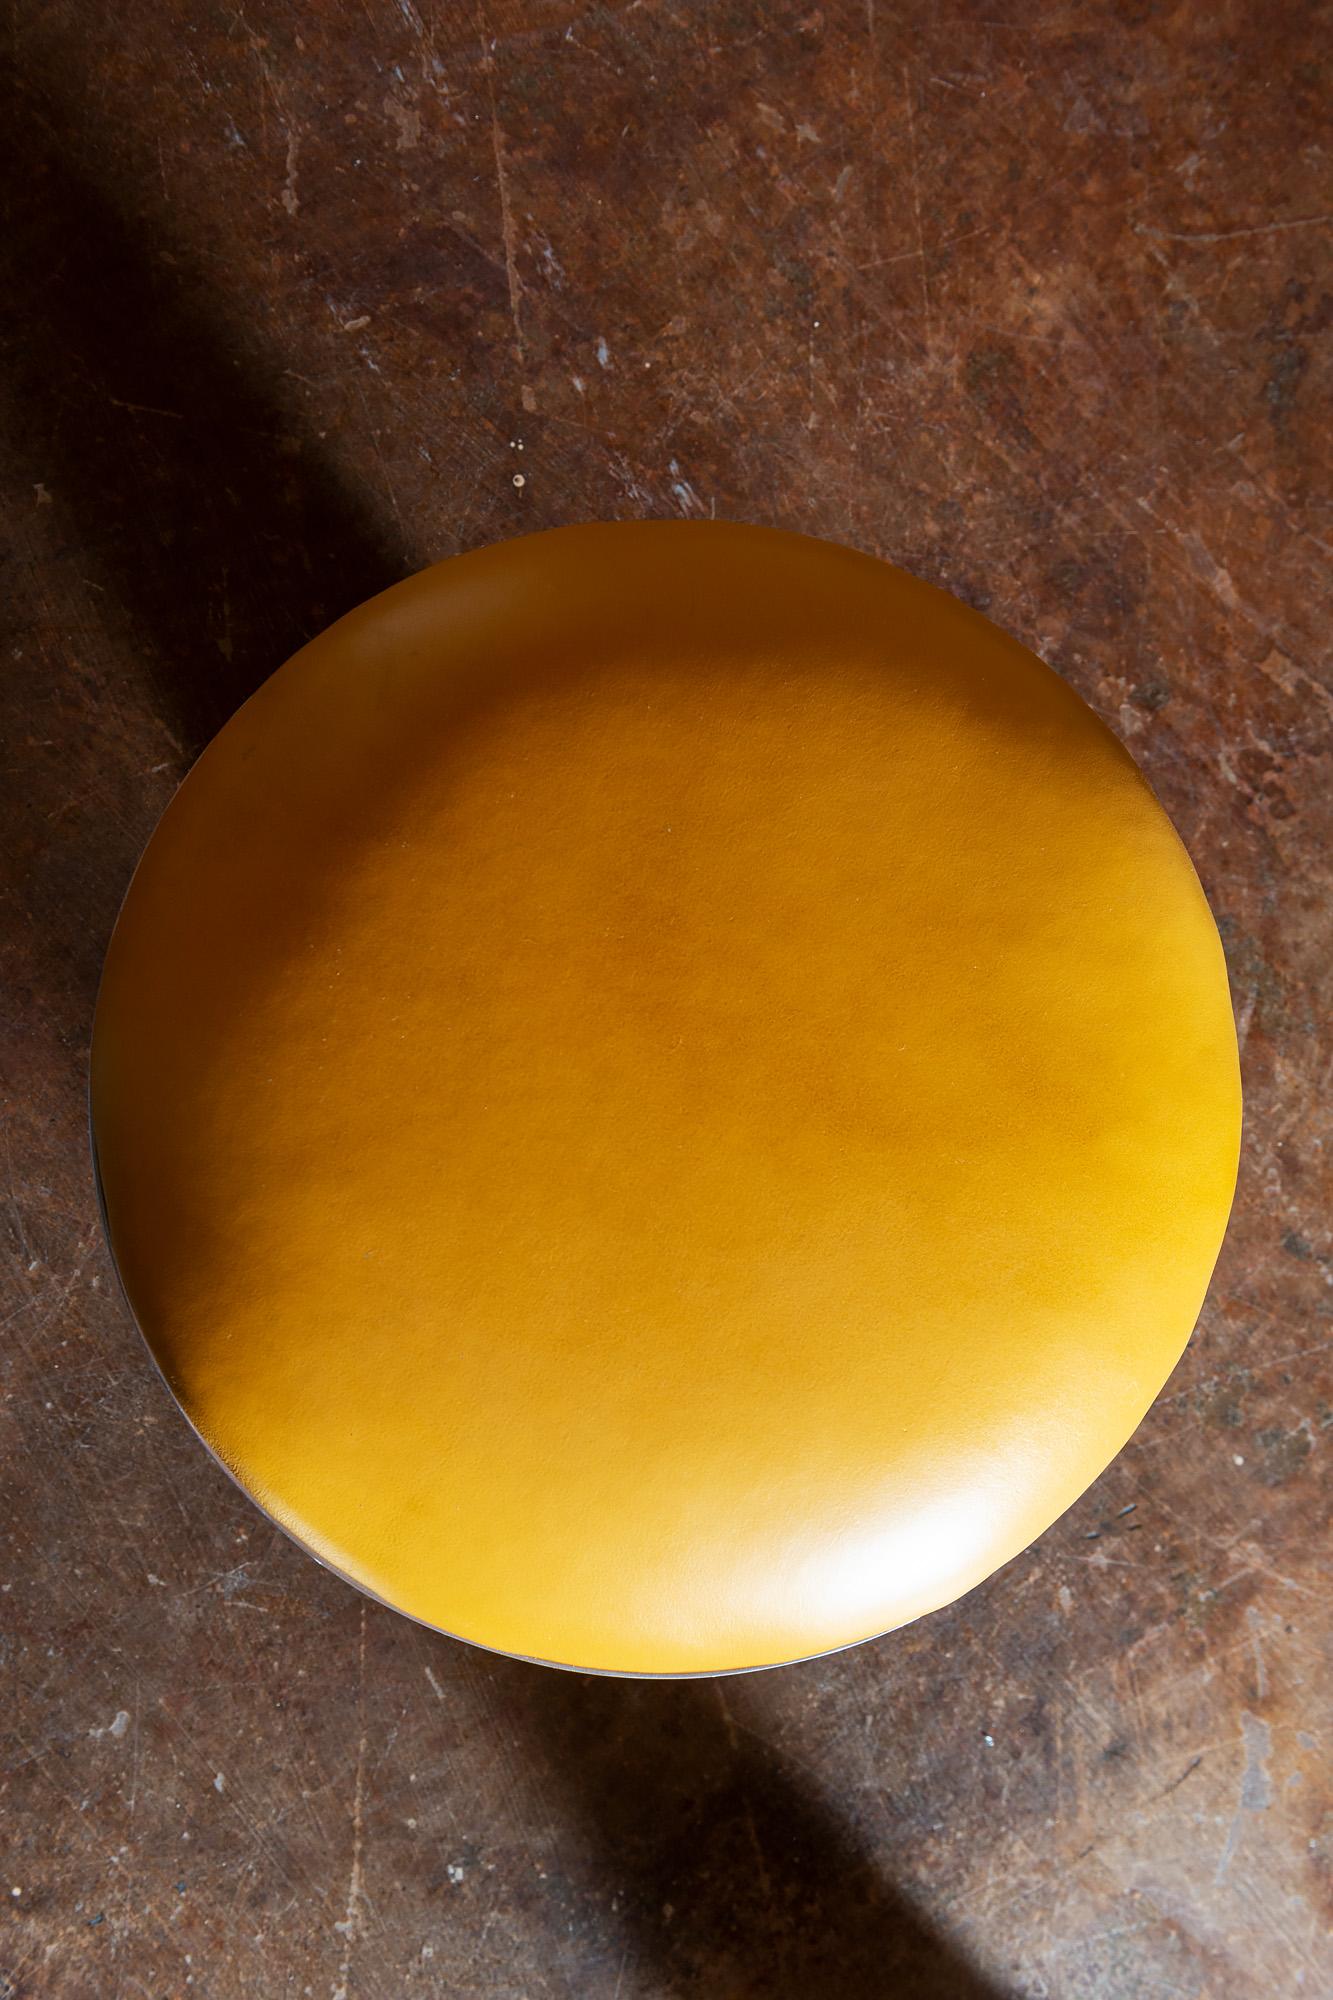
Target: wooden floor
<point>1027,298</point>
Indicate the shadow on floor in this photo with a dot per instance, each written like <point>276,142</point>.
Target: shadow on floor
<point>198,503</point>
<point>227,538</point>
<point>736,1880</point>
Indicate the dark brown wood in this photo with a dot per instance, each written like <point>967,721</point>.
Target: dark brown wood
<point>1030,301</point>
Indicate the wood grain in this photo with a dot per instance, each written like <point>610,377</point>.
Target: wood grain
<point>1033,304</point>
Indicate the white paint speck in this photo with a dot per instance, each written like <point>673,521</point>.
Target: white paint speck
<point>1238,1458</point>
<point>219,1782</point>
<point>455,1871</point>
<point>989,1741</point>
<point>603,353</point>
<point>519,480</point>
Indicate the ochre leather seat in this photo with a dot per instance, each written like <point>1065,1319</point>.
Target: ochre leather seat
<point>666,1097</point>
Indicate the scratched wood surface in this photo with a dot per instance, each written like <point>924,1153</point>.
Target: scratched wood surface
<point>1029,300</point>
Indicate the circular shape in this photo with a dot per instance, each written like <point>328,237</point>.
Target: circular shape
<point>666,1097</point>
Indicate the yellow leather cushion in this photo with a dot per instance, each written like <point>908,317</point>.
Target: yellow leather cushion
<point>666,1097</point>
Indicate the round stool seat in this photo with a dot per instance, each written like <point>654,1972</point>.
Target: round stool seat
<point>665,1097</point>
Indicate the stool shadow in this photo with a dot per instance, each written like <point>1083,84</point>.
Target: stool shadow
<point>227,536</point>
<point>734,1879</point>
<point>194,495</point>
